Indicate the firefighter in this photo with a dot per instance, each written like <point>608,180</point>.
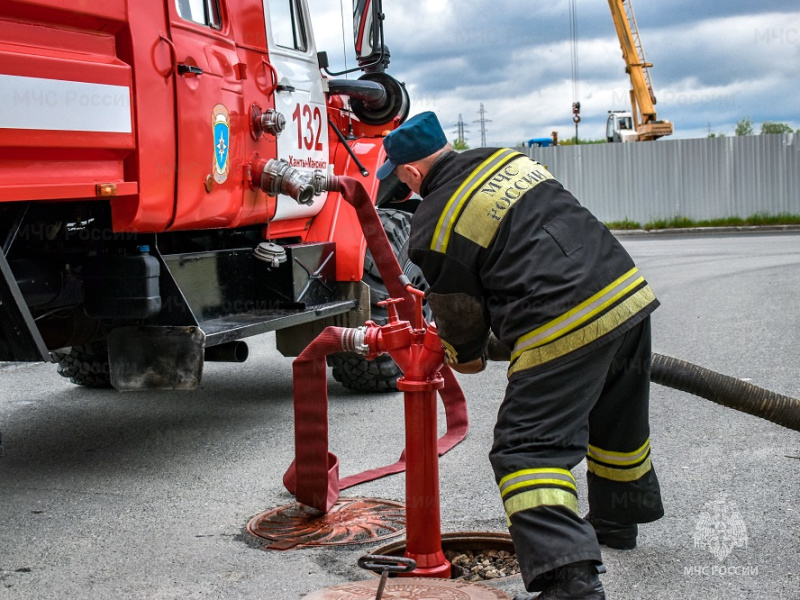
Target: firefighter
<point>508,252</point>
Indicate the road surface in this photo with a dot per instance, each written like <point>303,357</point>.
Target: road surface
<point>145,495</point>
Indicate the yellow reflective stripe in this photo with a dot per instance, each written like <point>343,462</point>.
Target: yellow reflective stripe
<point>523,484</point>
<point>586,334</point>
<point>441,235</point>
<point>536,471</point>
<point>540,497</point>
<point>578,315</point>
<point>619,458</point>
<point>620,474</point>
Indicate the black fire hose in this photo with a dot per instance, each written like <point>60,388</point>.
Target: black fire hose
<point>725,390</point>
<point>722,389</point>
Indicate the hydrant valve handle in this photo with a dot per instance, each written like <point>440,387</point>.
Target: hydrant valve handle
<point>379,563</point>
<point>418,296</point>
<point>385,565</point>
<point>389,303</point>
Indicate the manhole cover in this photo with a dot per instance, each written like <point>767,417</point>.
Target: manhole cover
<point>410,588</point>
<point>350,521</point>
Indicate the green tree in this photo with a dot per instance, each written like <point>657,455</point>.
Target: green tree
<point>460,145</point>
<point>768,127</point>
<point>715,134</point>
<point>745,127</point>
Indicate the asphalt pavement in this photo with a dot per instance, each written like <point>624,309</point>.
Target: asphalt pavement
<point>146,495</point>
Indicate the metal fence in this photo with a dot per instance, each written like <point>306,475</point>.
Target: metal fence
<point>698,179</point>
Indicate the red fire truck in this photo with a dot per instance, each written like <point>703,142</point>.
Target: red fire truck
<point>163,168</point>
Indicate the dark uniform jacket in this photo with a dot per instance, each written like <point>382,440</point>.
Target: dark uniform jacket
<point>504,246</point>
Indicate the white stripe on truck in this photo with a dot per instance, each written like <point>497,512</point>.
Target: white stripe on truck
<point>57,105</point>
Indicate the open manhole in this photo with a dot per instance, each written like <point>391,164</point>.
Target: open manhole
<point>410,588</point>
<point>350,521</point>
<point>475,555</point>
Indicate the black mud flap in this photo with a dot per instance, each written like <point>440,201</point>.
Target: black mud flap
<point>156,358</point>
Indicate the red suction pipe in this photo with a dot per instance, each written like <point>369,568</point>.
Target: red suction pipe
<point>419,354</point>
<point>314,478</point>
<point>314,475</point>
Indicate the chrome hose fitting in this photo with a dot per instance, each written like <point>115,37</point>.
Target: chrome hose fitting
<point>354,340</point>
<point>278,177</point>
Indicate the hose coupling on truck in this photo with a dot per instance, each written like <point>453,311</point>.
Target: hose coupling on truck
<point>276,176</point>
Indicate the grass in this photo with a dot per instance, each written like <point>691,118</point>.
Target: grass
<point>626,224</point>
<point>678,222</point>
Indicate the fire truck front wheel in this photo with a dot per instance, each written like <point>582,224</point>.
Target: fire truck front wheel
<point>353,371</point>
<point>85,365</point>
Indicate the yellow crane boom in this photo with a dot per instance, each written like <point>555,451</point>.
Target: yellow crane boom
<point>645,120</point>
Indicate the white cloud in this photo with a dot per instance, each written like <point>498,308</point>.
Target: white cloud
<point>515,58</point>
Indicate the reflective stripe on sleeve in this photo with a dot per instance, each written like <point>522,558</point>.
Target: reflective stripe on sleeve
<point>578,315</point>
<point>585,335</point>
<point>454,206</point>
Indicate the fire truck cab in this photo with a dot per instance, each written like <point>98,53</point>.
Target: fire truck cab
<point>162,197</point>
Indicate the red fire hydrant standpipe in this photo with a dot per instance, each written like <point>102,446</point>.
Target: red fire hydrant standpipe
<point>314,475</point>
<point>421,364</point>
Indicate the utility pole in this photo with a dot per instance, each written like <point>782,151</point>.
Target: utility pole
<point>483,120</point>
<point>461,129</point>
<point>573,34</point>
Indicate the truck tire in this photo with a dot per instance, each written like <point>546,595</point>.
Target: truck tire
<point>352,370</point>
<point>85,365</point>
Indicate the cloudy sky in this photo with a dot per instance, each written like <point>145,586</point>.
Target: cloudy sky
<point>715,62</point>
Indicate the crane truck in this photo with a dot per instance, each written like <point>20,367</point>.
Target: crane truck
<point>163,168</point>
<point>641,123</point>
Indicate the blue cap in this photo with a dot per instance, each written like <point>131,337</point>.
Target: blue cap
<point>415,139</point>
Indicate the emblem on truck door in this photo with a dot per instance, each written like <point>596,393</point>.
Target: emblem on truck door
<point>221,130</point>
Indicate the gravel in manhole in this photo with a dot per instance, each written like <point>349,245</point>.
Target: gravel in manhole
<point>483,564</point>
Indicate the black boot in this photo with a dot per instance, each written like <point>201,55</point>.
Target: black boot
<point>578,581</point>
<point>619,536</point>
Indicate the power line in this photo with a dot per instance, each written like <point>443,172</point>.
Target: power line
<point>573,38</point>
<point>483,120</point>
<point>460,131</point>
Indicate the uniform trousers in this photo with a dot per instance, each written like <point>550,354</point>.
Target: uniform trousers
<point>593,406</point>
